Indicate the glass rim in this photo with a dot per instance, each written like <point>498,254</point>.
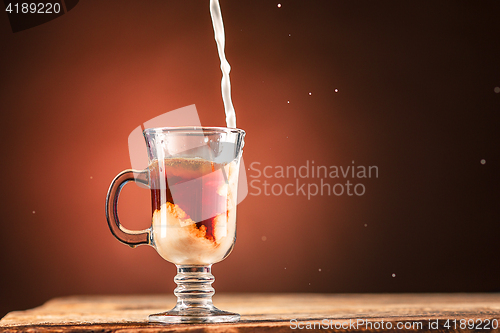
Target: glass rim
<point>191,130</point>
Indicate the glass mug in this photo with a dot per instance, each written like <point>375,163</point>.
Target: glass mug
<point>193,178</point>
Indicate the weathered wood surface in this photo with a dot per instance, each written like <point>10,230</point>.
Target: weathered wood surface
<point>264,313</point>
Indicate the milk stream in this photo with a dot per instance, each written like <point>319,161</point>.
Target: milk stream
<point>224,64</point>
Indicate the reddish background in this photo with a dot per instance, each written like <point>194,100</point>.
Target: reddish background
<point>415,97</point>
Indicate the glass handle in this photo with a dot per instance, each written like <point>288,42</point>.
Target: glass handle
<point>130,237</point>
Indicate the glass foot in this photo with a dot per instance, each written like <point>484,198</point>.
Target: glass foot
<point>194,316</point>
<point>194,299</point>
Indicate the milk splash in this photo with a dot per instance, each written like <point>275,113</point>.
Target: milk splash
<point>224,64</point>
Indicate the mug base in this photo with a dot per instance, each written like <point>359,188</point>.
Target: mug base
<point>193,315</point>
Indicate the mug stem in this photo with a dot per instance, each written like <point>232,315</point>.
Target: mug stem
<point>194,299</point>
<point>194,287</point>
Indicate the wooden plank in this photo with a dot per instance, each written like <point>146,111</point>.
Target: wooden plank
<point>265,312</point>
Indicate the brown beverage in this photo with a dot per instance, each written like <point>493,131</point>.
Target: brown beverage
<point>193,206</point>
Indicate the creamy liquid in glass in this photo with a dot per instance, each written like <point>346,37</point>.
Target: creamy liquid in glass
<point>197,223</point>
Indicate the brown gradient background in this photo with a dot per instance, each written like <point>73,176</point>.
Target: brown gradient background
<point>415,97</point>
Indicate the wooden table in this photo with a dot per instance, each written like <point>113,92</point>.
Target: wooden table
<point>269,313</point>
